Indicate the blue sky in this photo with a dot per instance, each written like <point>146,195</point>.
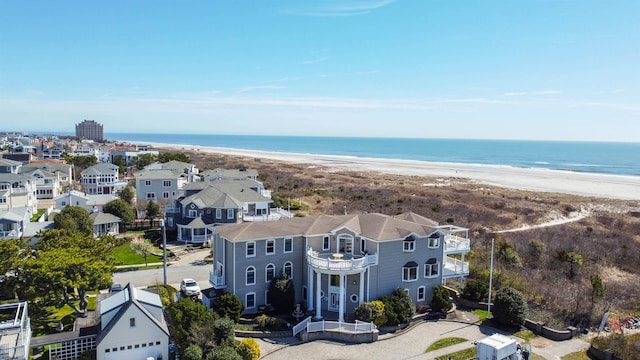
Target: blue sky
<point>512,69</point>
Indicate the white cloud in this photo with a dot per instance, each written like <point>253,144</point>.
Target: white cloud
<point>315,61</point>
<point>525,93</point>
<point>338,8</point>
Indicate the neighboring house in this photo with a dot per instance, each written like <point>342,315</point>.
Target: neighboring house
<point>159,185</point>
<point>19,156</point>
<point>102,178</point>
<point>48,184</point>
<point>15,331</point>
<point>132,326</point>
<point>90,203</point>
<point>214,203</point>
<point>104,223</point>
<point>9,166</point>
<point>189,170</point>
<point>13,222</point>
<point>230,174</point>
<point>55,153</point>
<point>62,170</point>
<point>17,191</point>
<point>338,262</point>
<point>128,155</point>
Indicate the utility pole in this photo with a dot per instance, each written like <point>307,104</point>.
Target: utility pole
<point>164,250</point>
<point>490,282</point>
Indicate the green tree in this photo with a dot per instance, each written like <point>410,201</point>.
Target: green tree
<point>441,301</point>
<point>184,314</point>
<point>143,160</point>
<point>166,157</point>
<point>192,352</point>
<point>475,290</point>
<point>120,163</point>
<point>372,311</point>
<point>142,247</point>
<point>74,218</point>
<point>575,260</point>
<point>152,210</point>
<point>597,289</point>
<point>224,331</point>
<point>63,263</point>
<point>121,209</point>
<point>249,349</point>
<point>509,306</point>
<point>282,293</point>
<point>10,254</point>
<point>127,194</point>
<point>228,305</point>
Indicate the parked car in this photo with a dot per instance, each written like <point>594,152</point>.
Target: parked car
<point>189,287</point>
<point>115,288</point>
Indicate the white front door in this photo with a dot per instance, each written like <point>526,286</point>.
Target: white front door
<point>334,299</point>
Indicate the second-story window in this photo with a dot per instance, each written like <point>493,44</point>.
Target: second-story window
<point>147,183</point>
<point>409,244</point>
<point>325,243</point>
<point>410,271</point>
<point>288,245</point>
<point>251,275</point>
<point>431,268</point>
<point>218,213</point>
<point>270,272</point>
<point>166,183</point>
<point>270,247</point>
<point>192,213</point>
<point>251,249</point>
<point>434,241</point>
<point>288,269</point>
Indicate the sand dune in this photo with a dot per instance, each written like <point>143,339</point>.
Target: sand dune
<point>546,180</point>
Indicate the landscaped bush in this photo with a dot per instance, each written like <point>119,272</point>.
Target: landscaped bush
<point>224,331</point>
<point>193,352</point>
<point>223,353</point>
<point>248,349</point>
<point>282,293</point>
<point>266,322</point>
<point>441,301</point>
<point>228,305</point>
<point>398,308</point>
<point>510,306</point>
<point>475,290</point>
<point>372,311</point>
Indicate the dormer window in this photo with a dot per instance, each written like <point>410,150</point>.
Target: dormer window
<point>434,241</point>
<point>409,244</point>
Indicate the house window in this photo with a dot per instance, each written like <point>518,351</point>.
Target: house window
<point>147,183</point>
<point>193,213</point>
<point>325,243</point>
<point>434,241</point>
<point>132,322</point>
<point>270,272</point>
<point>363,245</point>
<point>431,268</point>
<point>409,244</point>
<point>165,195</point>
<point>345,244</point>
<point>421,293</point>
<point>267,297</point>
<point>288,269</point>
<point>304,292</point>
<point>4,201</point>
<point>166,183</point>
<point>288,245</point>
<point>151,196</point>
<point>218,213</point>
<point>354,298</point>
<point>410,271</point>
<point>229,213</point>
<point>251,249</point>
<point>250,300</point>
<point>271,247</point>
<point>251,275</point>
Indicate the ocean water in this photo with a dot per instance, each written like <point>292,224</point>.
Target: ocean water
<point>597,157</point>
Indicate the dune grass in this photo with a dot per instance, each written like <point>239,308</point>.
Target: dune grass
<point>443,343</point>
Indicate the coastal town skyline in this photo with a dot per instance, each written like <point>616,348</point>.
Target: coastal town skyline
<point>532,70</point>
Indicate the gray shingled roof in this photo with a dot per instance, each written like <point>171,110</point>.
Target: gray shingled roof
<point>229,173</point>
<point>222,194</point>
<point>9,162</point>
<point>372,226</point>
<point>100,218</point>
<point>101,168</point>
<point>157,174</point>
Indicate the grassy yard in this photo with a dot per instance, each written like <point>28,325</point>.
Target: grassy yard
<point>465,354</point>
<point>65,315</point>
<point>481,313</point>
<point>125,256</point>
<point>443,343</point>
<point>525,335</point>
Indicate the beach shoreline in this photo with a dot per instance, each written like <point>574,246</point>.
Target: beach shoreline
<point>621,187</point>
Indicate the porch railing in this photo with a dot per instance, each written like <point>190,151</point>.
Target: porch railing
<point>456,243</point>
<point>297,329</point>
<point>216,280</point>
<point>337,326</point>
<point>455,267</point>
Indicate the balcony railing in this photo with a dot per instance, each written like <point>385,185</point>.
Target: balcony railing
<point>8,234</point>
<point>454,267</point>
<point>454,243</point>
<point>340,261</point>
<point>216,280</point>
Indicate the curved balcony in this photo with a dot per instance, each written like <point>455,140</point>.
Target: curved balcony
<point>340,263</point>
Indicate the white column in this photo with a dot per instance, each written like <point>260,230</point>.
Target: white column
<point>318,297</point>
<point>361,294</point>
<point>341,304</point>
<point>310,288</point>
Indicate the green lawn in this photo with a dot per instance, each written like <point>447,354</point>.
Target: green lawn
<point>443,343</point>
<point>465,354</point>
<point>124,256</point>
<point>481,313</point>
<point>525,335</point>
<point>580,355</point>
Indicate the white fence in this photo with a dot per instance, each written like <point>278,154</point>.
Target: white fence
<point>335,326</point>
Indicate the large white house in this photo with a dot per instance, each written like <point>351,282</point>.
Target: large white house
<point>102,178</point>
<point>337,262</point>
<point>18,191</point>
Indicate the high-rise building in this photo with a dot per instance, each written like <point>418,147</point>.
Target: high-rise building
<point>90,130</point>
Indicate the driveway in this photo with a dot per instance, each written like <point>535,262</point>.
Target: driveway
<point>409,344</point>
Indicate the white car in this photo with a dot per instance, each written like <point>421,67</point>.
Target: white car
<point>189,287</point>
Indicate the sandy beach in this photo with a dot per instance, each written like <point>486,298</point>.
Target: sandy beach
<point>544,180</point>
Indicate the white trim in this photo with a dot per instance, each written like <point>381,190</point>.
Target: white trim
<point>266,272</point>
<point>246,300</point>
<point>409,273</point>
<point>266,246</point>
<point>246,275</point>
<point>424,294</point>
<point>290,240</point>
<point>284,267</point>
<point>246,253</point>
